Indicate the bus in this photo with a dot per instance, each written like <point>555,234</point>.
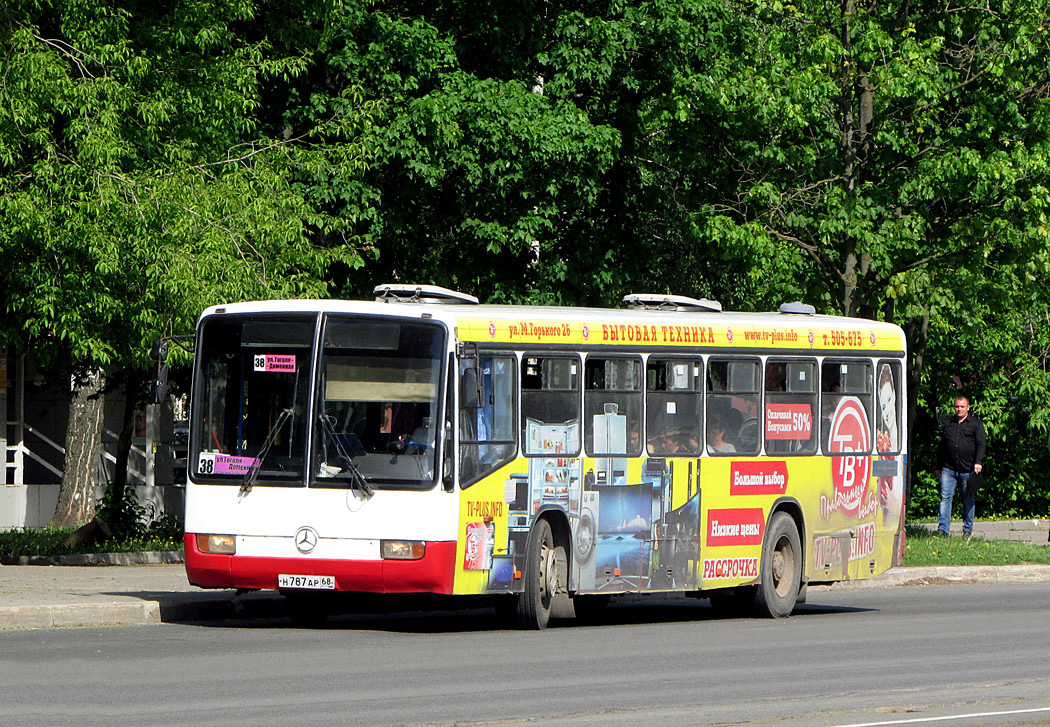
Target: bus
<point>423,443</point>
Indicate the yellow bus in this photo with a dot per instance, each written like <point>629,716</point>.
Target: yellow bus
<point>423,443</point>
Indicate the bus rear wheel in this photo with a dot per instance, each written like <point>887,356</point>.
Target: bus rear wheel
<point>781,568</point>
<point>543,563</point>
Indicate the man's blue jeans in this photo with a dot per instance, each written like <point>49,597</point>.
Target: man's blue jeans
<point>949,480</point>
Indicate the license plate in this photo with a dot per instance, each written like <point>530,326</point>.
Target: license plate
<point>315,583</point>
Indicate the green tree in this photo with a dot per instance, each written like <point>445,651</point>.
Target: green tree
<point>136,187</point>
<point>891,161</point>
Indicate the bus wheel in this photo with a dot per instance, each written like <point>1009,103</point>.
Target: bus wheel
<point>533,608</point>
<point>781,568</point>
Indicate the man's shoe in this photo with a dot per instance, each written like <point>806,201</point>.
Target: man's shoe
<point>941,533</point>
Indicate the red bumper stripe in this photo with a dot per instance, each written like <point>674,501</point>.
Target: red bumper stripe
<point>433,573</point>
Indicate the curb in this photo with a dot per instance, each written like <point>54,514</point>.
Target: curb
<point>190,606</point>
<point>951,575</point>
<point>171,608</point>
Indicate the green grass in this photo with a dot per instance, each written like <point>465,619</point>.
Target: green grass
<point>925,548</point>
<point>47,542</point>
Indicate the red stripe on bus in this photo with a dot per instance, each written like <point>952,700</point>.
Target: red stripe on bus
<point>433,573</point>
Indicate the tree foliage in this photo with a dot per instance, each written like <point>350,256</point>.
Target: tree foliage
<point>137,184</point>
<point>887,160</point>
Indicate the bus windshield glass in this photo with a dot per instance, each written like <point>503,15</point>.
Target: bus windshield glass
<point>253,391</point>
<point>378,402</point>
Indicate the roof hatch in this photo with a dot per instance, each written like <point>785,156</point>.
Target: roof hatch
<point>798,308</point>
<point>405,293</point>
<point>663,301</point>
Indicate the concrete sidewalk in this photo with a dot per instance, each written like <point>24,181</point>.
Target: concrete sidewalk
<point>45,596</point>
<point>1036,531</point>
<point>41,596</point>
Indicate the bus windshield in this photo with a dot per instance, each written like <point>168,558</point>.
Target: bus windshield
<point>378,402</point>
<point>253,390</point>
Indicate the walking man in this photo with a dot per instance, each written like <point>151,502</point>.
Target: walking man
<point>961,452</point>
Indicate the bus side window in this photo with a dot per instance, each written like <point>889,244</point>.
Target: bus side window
<point>486,433</point>
<point>673,407</point>
<point>791,407</point>
<point>846,406</point>
<point>612,406</point>
<point>733,406</point>
<point>550,405</point>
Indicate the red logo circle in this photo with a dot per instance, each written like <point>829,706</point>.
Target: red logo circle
<point>729,334</point>
<point>586,331</point>
<point>850,432</point>
<point>492,329</point>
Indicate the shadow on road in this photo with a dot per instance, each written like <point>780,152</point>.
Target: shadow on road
<point>444,619</point>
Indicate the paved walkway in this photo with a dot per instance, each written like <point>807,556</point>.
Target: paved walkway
<point>1032,531</point>
<point>45,596</point>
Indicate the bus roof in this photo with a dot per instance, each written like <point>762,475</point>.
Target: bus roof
<point>630,327</point>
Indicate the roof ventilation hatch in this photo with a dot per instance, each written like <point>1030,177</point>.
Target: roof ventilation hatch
<point>662,301</point>
<point>404,293</point>
<point>798,308</point>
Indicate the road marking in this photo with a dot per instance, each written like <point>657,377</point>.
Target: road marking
<point>972,715</point>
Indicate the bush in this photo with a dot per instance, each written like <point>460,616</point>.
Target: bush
<point>48,542</point>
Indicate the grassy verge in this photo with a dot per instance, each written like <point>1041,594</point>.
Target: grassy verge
<point>925,548</point>
<point>47,542</point>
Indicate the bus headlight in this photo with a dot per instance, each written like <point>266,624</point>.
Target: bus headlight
<point>220,544</point>
<point>402,549</point>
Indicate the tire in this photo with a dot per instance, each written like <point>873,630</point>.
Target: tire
<point>780,570</point>
<point>533,607</point>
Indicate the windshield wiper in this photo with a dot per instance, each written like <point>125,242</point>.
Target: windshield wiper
<point>253,470</point>
<point>357,480</point>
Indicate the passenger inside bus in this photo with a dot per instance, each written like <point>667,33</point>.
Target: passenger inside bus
<point>716,434</point>
<point>733,420</point>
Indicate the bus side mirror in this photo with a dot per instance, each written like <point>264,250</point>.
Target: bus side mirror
<point>469,389</point>
<point>158,390</point>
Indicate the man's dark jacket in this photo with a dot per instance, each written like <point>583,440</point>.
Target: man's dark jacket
<point>962,445</point>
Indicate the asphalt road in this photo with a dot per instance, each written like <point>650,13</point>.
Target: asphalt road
<point>941,655</point>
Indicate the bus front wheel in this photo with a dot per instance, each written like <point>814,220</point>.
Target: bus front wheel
<point>780,569</point>
<point>533,607</point>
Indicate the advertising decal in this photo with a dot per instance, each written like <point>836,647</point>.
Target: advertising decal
<point>826,549</point>
<point>789,421</point>
<point>735,526</point>
<point>478,554</point>
<point>758,478</point>
<point>849,473</point>
<point>671,333</point>
<point>720,569</point>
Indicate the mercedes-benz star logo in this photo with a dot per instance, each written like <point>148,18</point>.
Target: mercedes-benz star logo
<point>305,539</point>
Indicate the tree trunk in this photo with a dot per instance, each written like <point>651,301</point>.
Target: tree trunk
<point>76,496</point>
<point>132,385</point>
<point>916,333</point>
